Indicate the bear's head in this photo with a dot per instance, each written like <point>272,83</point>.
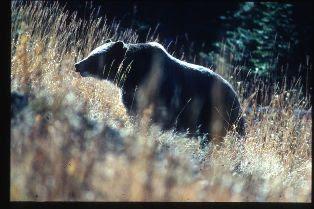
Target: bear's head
<point>104,61</point>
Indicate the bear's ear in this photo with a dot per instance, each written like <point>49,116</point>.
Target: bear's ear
<point>107,41</point>
<point>119,44</point>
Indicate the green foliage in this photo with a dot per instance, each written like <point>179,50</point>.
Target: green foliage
<point>259,35</point>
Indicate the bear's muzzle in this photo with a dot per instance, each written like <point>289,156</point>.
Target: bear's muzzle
<point>77,67</point>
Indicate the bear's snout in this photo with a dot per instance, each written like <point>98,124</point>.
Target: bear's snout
<point>77,67</point>
<point>81,68</point>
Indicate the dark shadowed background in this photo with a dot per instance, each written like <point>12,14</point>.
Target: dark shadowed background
<point>196,21</point>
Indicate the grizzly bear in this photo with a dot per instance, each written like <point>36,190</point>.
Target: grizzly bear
<point>186,97</point>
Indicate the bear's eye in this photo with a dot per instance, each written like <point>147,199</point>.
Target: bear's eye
<point>94,57</point>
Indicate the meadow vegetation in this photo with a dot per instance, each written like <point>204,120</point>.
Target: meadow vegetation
<point>74,140</point>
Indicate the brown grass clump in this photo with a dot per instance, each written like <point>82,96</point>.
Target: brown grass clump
<point>74,141</point>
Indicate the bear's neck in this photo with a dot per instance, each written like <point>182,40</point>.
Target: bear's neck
<point>136,65</point>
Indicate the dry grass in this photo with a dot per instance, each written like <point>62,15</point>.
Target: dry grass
<point>74,141</point>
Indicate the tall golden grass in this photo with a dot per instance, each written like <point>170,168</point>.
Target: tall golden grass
<point>75,141</point>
